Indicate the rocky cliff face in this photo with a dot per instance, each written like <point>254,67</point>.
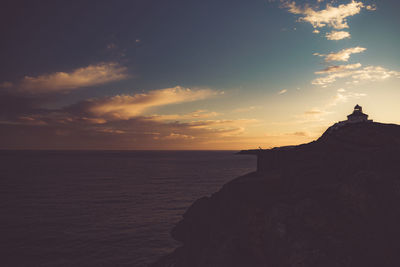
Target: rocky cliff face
<point>332,213</point>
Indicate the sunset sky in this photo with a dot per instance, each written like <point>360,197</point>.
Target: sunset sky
<point>205,74</point>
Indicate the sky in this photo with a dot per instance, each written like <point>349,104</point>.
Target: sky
<point>192,75</point>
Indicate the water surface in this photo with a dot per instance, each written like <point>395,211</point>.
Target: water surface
<point>102,208</point>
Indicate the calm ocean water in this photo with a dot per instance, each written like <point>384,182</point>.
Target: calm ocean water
<point>103,208</point>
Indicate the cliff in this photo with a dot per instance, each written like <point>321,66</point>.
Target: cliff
<point>332,202</point>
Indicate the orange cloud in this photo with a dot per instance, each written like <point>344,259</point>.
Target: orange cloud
<point>66,81</point>
<point>198,114</point>
<point>222,127</point>
<point>129,106</point>
<point>177,136</point>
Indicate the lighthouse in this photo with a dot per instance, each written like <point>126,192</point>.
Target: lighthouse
<point>357,115</point>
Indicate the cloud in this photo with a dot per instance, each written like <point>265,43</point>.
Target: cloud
<point>222,127</point>
<point>246,109</point>
<point>342,55</point>
<point>176,136</point>
<point>312,115</point>
<point>110,131</point>
<point>372,73</point>
<point>64,130</point>
<point>303,134</point>
<point>66,81</point>
<point>123,107</point>
<point>212,124</point>
<point>313,112</point>
<point>31,120</point>
<point>339,68</point>
<point>115,108</point>
<point>318,114</point>
<point>342,96</point>
<point>371,7</point>
<point>335,17</point>
<point>198,114</point>
<point>6,85</point>
<point>96,111</point>
<point>337,35</point>
<point>369,73</point>
<point>281,92</point>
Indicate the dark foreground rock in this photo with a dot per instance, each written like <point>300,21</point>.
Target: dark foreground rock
<point>340,208</point>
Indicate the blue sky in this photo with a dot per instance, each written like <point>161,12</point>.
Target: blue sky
<point>192,74</point>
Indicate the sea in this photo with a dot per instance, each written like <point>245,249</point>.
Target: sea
<point>102,208</point>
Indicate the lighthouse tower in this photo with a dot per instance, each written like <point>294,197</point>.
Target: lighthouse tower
<point>357,115</point>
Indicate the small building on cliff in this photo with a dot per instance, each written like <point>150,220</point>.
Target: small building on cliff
<point>276,158</point>
<point>357,115</point>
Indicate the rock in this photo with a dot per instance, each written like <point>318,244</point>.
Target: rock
<point>325,212</point>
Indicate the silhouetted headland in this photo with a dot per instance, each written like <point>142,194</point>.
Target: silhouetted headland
<point>332,202</point>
